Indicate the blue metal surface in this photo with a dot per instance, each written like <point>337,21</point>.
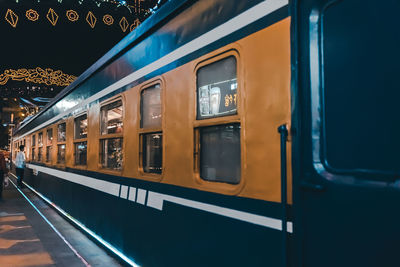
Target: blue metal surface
<point>344,207</point>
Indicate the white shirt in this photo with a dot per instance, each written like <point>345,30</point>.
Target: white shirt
<point>20,160</point>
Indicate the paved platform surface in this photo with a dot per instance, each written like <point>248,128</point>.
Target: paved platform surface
<point>27,239</point>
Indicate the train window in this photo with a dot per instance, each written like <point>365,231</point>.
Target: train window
<point>80,153</point>
<point>40,154</point>
<point>33,140</point>
<point>217,89</point>
<point>111,153</point>
<point>33,154</point>
<point>152,153</point>
<point>49,135</point>
<point>150,103</point>
<point>111,129</point>
<point>220,153</point>
<point>61,153</point>
<point>40,139</point>
<point>48,153</point>
<point>61,132</point>
<point>151,150</point>
<point>361,89</point>
<point>81,126</point>
<point>111,118</point>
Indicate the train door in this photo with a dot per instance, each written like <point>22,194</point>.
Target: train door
<point>347,146</point>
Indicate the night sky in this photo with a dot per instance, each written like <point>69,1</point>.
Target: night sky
<point>69,46</point>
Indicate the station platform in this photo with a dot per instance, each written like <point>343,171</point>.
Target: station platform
<point>34,234</point>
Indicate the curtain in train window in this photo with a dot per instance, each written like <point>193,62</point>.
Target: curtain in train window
<point>217,89</point>
<point>220,153</point>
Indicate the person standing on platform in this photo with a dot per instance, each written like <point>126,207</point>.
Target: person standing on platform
<point>3,172</point>
<point>20,165</point>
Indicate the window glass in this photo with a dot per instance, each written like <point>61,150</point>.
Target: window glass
<point>40,154</point>
<point>81,126</point>
<point>152,153</point>
<point>80,153</point>
<point>49,136</point>
<point>111,118</point>
<point>61,153</point>
<point>111,153</point>
<point>48,153</point>
<point>33,140</point>
<point>40,139</point>
<point>150,107</point>
<point>361,88</point>
<point>217,89</point>
<point>61,132</point>
<point>33,155</point>
<point>220,153</point>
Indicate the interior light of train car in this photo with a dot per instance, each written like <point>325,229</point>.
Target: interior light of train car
<point>80,139</point>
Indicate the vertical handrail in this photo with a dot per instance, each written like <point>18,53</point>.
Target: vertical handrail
<point>284,134</point>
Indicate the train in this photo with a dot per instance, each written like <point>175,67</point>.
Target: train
<point>233,133</point>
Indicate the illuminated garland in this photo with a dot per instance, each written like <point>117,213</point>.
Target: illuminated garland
<point>32,15</point>
<point>11,18</point>
<point>108,20</point>
<point>91,19</point>
<point>38,75</point>
<point>72,15</point>
<point>123,23</point>
<point>52,17</point>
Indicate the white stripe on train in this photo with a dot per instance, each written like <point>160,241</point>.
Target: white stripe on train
<point>253,14</point>
<point>156,200</point>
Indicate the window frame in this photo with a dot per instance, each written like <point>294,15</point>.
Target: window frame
<point>80,140</point>
<point>112,135</point>
<point>50,161</point>
<point>217,186</point>
<point>58,143</point>
<point>151,130</point>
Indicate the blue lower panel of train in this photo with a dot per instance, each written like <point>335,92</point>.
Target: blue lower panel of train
<point>164,225</point>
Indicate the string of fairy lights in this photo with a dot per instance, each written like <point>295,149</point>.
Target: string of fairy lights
<point>13,17</point>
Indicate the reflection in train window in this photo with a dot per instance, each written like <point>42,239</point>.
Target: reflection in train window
<point>48,153</point>
<point>61,132</point>
<point>220,153</point>
<point>40,153</point>
<point>40,139</point>
<point>217,89</point>
<point>49,135</point>
<point>80,153</point>
<point>111,118</point>
<point>150,107</point>
<point>81,126</point>
<point>152,153</point>
<point>111,153</point>
<point>61,153</point>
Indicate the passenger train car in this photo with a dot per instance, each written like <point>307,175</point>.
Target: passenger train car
<point>233,133</point>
